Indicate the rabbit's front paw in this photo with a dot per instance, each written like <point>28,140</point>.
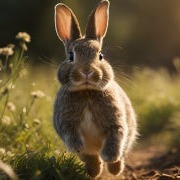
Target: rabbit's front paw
<point>74,144</point>
<point>110,154</point>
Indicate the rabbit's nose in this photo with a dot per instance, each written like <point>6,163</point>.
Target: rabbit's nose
<point>87,74</point>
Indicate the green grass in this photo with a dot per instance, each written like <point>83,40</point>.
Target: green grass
<point>33,165</point>
<point>28,141</point>
<point>156,98</point>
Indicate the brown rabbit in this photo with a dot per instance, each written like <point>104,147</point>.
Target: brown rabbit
<point>92,114</point>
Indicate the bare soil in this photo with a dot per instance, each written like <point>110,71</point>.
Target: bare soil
<point>152,163</point>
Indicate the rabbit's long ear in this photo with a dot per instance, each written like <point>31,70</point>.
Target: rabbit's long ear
<point>66,24</point>
<point>98,21</point>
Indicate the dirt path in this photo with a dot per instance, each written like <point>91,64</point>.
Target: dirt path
<point>152,163</point>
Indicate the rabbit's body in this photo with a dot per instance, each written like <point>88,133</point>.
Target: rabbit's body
<point>92,114</point>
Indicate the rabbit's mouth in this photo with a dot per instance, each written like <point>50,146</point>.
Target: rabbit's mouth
<point>86,85</point>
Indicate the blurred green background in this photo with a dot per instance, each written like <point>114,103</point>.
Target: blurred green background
<point>140,32</point>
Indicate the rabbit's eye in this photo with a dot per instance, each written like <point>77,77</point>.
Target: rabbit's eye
<point>101,56</point>
<point>71,56</point>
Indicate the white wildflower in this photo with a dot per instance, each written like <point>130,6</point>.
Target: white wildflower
<point>11,66</point>
<point>26,126</point>
<point>37,121</point>
<point>7,51</point>
<point>6,120</point>
<point>11,106</point>
<point>23,36</point>
<point>27,146</point>
<point>10,154</point>
<point>37,94</point>
<point>10,86</point>
<point>24,110</point>
<point>2,151</point>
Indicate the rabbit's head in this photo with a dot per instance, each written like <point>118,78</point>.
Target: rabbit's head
<point>85,66</point>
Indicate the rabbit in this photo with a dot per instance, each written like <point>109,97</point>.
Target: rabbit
<point>92,114</point>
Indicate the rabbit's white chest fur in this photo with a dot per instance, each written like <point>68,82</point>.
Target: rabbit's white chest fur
<point>92,140</point>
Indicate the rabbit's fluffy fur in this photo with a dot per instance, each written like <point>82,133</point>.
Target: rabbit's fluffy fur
<point>92,114</point>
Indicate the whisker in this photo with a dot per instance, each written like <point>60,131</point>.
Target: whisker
<point>48,61</point>
<point>126,81</point>
<point>121,76</point>
<point>126,75</point>
<point>122,83</point>
<point>105,49</point>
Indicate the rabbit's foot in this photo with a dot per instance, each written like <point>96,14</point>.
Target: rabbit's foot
<point>74,145</point>
<point>93,165</point>
<point>93,170</point>
<point>110,154</point>
<point>116,168</point>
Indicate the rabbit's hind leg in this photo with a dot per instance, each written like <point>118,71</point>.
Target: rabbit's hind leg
<point>93,164</point>
<point>116,168</point>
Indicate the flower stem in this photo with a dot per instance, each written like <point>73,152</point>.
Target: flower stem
<point>5,105</point>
